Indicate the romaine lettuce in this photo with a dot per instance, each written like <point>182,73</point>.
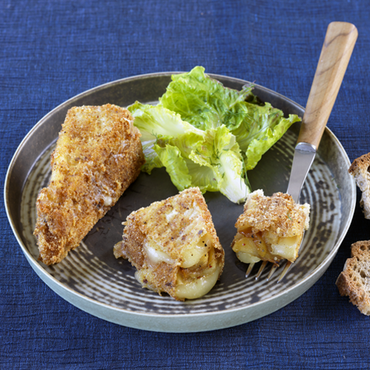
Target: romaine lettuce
<point>210,159</point>
<point>206,103</point>
<point>260,130</point>
<point>207,135</point>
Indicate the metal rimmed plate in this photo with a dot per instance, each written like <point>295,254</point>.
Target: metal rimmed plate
<point>93,280</point>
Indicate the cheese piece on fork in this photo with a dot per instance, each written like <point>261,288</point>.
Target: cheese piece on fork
<point>270,228</point>
<point>174,246</point>
<point>97,156</point>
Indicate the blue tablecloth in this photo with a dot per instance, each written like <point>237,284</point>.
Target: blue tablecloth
<point>52,50</point>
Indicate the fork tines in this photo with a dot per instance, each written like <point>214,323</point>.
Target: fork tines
<point>274,267</point>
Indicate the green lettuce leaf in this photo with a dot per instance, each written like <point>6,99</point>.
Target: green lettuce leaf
<point>207,135</point>
<point>220,152</point>
<point>209,159</point>
<point>260,130</point>
<point>206,103</point>
<point>159,125</point>
<point>176,166</point>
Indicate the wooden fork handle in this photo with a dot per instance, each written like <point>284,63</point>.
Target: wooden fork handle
<point>339,42</point>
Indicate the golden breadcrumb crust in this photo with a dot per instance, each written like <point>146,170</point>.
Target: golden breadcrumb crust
<point>354,280</point>
<point>172,223</point>
<point>97,156</point>
<point>279,214</point>
<point>273,228</point>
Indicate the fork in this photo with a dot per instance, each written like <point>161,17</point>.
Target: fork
<point>336,51</point>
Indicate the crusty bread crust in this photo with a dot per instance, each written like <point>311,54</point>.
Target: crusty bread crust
<point>97,156</point>
<point>360,170</point>
<point>362,163</point>
<point>354,280</point>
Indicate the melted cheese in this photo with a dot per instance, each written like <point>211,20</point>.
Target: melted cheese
<point>108,201</point>
<point>196,288</point>
<point>142,277</point>
<point>200,254</point>
<point>248,250</point>
<point>193,212</point>
<point>171,215</point>
<point>194,253</point>
<point>191,256</point>
<point>247,258</point>
<point>155,254</point>
<point>200,282</point>
<point>287,248</point>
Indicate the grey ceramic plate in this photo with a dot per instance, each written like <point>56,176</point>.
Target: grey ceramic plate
<point>93,280</point>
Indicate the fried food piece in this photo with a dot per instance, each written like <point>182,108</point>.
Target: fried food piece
<point>97,156</point>
<point>174,246</point>
<point>270,228</point>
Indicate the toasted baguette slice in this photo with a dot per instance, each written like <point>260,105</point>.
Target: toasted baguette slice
<point>360,170</point>
<point>174,246</point>
<point>97,156</point>
<point>270,228</point>
<point>354,280</point>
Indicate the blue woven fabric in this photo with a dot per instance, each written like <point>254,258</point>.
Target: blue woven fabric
<point>52,50</point>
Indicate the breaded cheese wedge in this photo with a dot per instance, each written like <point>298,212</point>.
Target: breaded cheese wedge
<point>270,228</point>
<point>97,156</point>
<point>174,246</point>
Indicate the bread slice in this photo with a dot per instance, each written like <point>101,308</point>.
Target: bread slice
<point>97,156</point>
<point>360,170</point>
<point>174,246</point>
<point>354,280</point>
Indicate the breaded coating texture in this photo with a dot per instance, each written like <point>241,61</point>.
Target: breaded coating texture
<point>174,246</point>
<point>97,156</point>
<point>278,214</point>
<point>270,228</point>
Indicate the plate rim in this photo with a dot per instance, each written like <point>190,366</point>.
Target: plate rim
<point>43,274</point>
